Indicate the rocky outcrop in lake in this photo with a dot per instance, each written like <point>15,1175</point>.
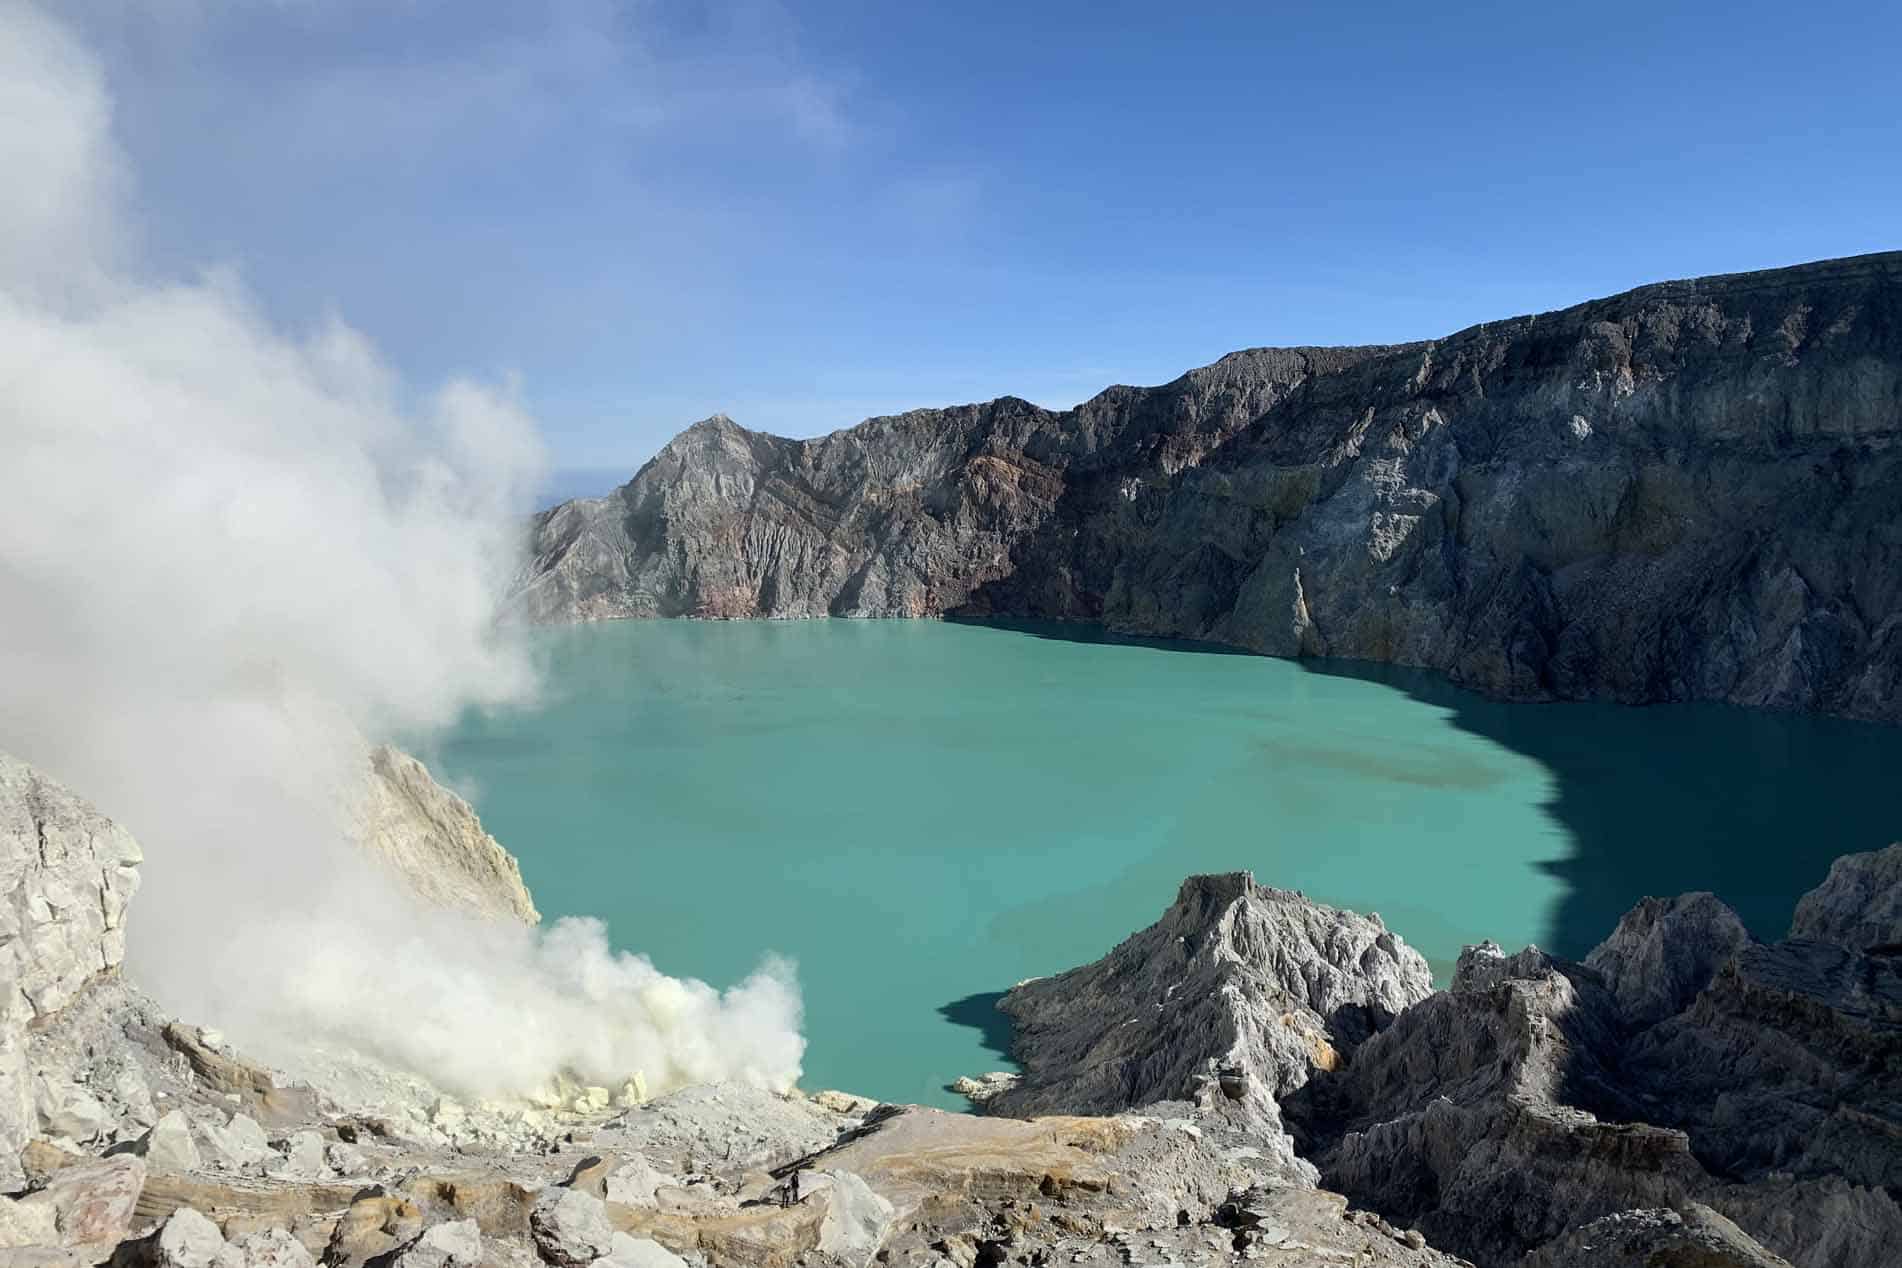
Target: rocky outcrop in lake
<point>1231,1001</point>
<point>1684,1091</point>
<point>1688,491</point>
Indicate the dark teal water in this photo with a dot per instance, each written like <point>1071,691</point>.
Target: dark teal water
<point>923,813</point>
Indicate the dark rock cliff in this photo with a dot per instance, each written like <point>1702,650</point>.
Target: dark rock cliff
<point>1689,491</point>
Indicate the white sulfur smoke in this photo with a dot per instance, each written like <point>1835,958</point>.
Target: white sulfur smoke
<point>225,555</point>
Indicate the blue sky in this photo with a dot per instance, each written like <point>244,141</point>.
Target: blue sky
<point>805,214</point>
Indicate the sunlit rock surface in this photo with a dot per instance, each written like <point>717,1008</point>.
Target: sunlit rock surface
<point>1683,492</point>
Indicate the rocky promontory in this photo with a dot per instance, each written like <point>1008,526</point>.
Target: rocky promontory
<point>1687,491</point>
<point>1685,1086</point>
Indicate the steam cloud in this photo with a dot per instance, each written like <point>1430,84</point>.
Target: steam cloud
<point>226,554</point>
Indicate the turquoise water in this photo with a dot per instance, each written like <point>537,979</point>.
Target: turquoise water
<point>922,813</point>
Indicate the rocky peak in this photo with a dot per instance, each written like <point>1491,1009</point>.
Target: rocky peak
<point>1666,950</point>
<point>1233,998</point>
<point>1523,505</point>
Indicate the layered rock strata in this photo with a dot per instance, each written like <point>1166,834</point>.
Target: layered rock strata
<point>1687,491</point>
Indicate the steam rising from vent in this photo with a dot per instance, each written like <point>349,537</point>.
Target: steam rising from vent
<point>225,555</point>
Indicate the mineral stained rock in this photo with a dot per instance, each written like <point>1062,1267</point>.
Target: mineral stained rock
<point>1688,491</point>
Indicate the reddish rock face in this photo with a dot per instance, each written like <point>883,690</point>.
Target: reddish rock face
<point>94,1200</point>
<point>1688,491</point>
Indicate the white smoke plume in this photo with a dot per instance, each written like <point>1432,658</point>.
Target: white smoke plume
<point>226,554</point>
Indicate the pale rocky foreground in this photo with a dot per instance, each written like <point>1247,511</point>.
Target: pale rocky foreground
<point>1204,1095</point>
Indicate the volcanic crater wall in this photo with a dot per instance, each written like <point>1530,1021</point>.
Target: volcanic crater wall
<point>1688,491</point>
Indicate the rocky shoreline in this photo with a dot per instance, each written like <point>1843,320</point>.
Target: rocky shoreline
<point>1257,1078</point>
<point>1683,492</point>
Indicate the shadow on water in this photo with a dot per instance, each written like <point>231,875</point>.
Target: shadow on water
<point>1657,799</point>
<point>1083,632</point>
<point>979,1012</point>
<point>1662,799</point>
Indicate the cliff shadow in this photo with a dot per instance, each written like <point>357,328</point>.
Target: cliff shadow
<point>1085,632</point>
<point>1752,805</point>
<point>1660,799</point>
<point>980,1013</point>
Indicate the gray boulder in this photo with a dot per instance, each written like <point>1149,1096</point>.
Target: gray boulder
<point>303,1154</point>
<point>452,1244</point>
<point>168,1146</point>
<point>639,1252</point>
<point>272,1248</point>
<point>190,1240</point>
<point>570,1227</point>
<point>856,1218</point>
<point>238,1145</point>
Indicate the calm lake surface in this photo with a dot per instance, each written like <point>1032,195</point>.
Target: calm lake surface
<point>923,813</point>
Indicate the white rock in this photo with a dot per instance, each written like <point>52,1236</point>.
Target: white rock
<point>303,1158</point>
<point>273,1249</point>
<point>639,1252</point>
<point>856,1218</point>
<point>346,1159</point>
<point>168,1146</point>
<point>448,1115</point>
<point>457,1244</point>
<point>239,1144</point>
<point>28,1223</point>
<point>570,1227</point>
<point>189,1240</point>
<point>67,1109</point>
<point>634,1183</point>
<point>130,1089</point>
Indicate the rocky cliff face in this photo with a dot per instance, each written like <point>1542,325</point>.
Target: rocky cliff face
<point>1686,1091</point>
<point>66,875</point>
<point>1689,491</point>
<point>434,843</point>
<point>1228,1003</point>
